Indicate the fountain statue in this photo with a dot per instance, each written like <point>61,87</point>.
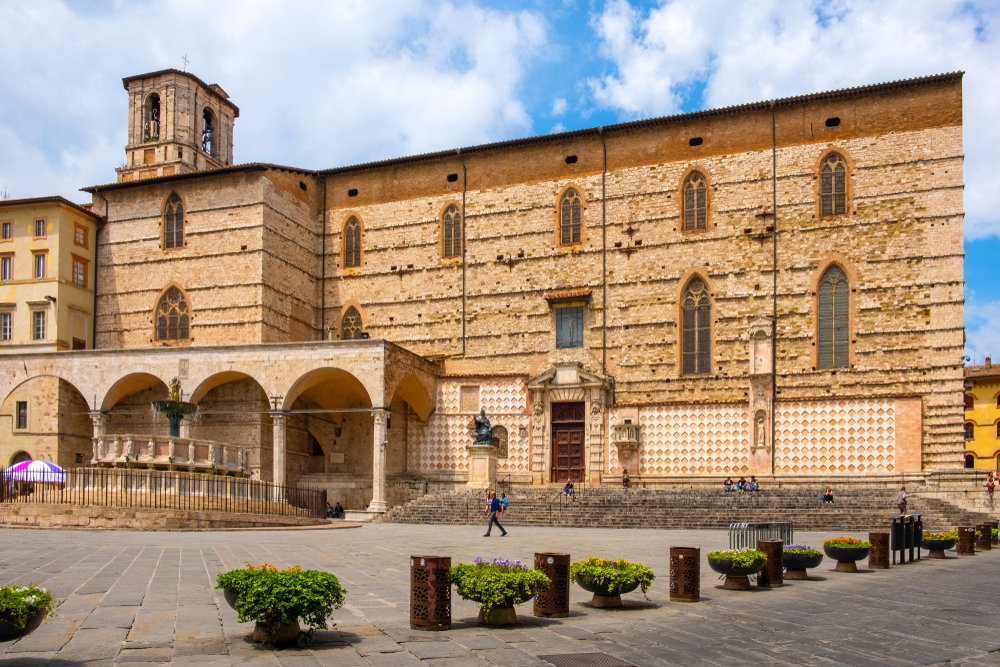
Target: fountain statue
<point>175,409</point>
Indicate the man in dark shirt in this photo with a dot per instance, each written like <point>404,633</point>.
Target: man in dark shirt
<point>492,510</point>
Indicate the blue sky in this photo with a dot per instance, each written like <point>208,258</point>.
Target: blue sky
<point>322,83</point>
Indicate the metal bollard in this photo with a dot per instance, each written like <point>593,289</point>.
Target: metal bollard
<point>430,592</point>
<point>878,557</point>
<point>554,601</point>
<point>966,541</point>
<point>685,574</point>
<point>985,541</point>
<point>773,574</point>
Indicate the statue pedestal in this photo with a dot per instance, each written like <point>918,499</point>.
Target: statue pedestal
<point>482,466</point>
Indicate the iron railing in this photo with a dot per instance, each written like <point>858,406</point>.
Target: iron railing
<point>156,489</point>
<point>745,535</point>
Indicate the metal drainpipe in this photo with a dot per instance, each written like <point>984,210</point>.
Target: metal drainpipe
<point>322,273</point>
<point>774,288</point>
<point>464,298</point>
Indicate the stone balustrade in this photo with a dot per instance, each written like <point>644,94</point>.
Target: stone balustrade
<point>156,451</point>
<point>627,436</point>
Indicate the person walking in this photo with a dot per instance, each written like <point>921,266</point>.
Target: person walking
<point>492,510</point>
<point>901,500</point>
<point>625,478</point>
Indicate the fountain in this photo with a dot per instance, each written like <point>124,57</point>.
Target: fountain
<point>175,409</point>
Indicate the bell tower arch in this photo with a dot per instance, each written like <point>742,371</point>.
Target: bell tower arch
<point>177,124</point>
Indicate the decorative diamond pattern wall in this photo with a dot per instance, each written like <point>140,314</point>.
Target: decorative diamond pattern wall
<point>837,436</point>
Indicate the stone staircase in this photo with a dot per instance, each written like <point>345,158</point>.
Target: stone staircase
<point>856,508</point>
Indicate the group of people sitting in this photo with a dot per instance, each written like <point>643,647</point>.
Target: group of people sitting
<point>334,512</point>
<point>742,486</point>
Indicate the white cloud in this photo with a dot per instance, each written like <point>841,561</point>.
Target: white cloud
<point>319,84</point>
<point>557,128</point>
<point>558,106</point>
<point>982,329</point>
<point>748,51</point>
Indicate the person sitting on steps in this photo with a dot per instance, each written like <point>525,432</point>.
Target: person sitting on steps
<point>752,484</point>
<point>741,485</point>
<point>625,478</point>
<point>569,487</point>
<point>828,496</point>
<point>728,484</point>
<point>338,511</point>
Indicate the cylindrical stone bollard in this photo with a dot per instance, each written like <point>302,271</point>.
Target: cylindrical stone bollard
<point>430,592</point>
<point>985,541</point>
<point>878,557</point>
<point>966,541</point>
<point>685,574</point>
<point>553,602</point>
<point>773,574</point>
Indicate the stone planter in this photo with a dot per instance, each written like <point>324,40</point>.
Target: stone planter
<point>847,557</point>
<point>937,547</point>
<point>9,629</point>
<point>797,564</point>
<point>605,595</point>
<point>502,614</point>
<point>286,633</point>
<point>737,578</point>
<point>230,595</point>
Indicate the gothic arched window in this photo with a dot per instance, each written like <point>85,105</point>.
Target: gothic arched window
<point>695,201</point>
<point>696,333</point>
<point>351,325</point>
<point>172,316</point>
<point>173,222</point>
<point>352,243</point>
<point>833,185</point>
<point>451,224</point>
<point>834,320</point>
<point>571,212</point>
<point>151,118</point>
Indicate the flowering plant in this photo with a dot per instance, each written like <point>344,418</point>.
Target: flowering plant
<point>847,542</point>
<point>273,597</point>
<point>23,602</point>
<point>616,573</point>
<point>740,557</point>
<point>941,536</point>
<point>497,582</point>
<point>802,550</point>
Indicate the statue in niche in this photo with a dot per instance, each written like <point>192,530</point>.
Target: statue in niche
<point>175,390</point>
<point>761,439</point>
<point>484,431</point>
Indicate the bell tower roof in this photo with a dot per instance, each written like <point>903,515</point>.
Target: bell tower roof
<point>214,87</point>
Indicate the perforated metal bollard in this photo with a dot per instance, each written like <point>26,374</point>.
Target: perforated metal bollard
<point>878,557</point>
<point>773,574</point>
<point>985,541</point>
<point>554,601</point>
<point>966,541</point>
<point>685,574</point>
<point>430,592</point>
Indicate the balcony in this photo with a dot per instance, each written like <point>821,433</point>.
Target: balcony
<point>627,437</point>
<point>159,451</point>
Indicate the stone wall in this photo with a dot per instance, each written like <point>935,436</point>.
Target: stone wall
<point>118,518</point>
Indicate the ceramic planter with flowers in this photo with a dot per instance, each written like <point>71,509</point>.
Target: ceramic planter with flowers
<point>22,609</point>
<point>608,579</point>
<point>276,599</point>
<point>738,565</point>
<point>798,558</point>
<point>497,585</point>
<point>938,543</point>
<point>846,551</point>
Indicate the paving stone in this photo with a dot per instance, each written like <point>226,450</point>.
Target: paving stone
<point>144,655</point>
<point>113,617</point>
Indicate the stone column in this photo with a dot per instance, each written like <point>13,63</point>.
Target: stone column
<point>278,442</point>
<point>379,502</point>
<point>98,418</point>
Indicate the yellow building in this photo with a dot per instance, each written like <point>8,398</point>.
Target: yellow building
<point>46,275</point>
<point>982,416</point>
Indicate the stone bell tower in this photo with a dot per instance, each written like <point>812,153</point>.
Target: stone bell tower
<point>177,123</point>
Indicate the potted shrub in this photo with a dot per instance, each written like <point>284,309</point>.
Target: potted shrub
<point>938,543</point>
<point>798,558</point>
<point>737,565</point>
<point>276,599</point>
<point>996,535</point>
<point>497,586</point>
<point>846,551</point>
<point>609,579</point>
<point>22,609</point>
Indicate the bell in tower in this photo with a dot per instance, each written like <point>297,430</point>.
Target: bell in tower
<point>177,124</point>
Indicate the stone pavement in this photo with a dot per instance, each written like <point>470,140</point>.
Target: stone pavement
<point>148,599</point>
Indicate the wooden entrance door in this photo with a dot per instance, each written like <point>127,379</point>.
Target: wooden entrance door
<point>567,442</point>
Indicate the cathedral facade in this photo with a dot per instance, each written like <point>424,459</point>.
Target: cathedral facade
<point>769,289</point>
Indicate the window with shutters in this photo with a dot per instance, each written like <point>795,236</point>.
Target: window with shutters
<point>173,222</point>
<point>451,231</point>
<point>695,201</point>
<point>833,336</point>
<point>570,217</point>
<point>833,185</point>
<point>970,431</point>
<point>173,317</point>
<point>351,326</point>
<point>969,402</point>
<point>352,243</point>
<point>696,329</point>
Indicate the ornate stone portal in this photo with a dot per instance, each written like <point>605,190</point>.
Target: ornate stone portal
<point>761,383</point>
